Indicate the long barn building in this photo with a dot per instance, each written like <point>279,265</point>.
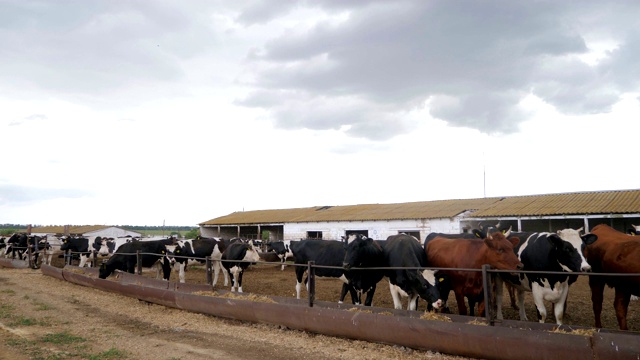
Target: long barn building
<point>551,212</point>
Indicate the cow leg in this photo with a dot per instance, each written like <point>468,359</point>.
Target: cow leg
<point>397,304</point>
<point>472,305</point>
<point>538,299</point>
<point>234,280</point>
<point>215,265</point>
<point>523,313</point>
<point>299,273</point>
<point>621,304</point>
<point>462,308</point>
<point>369,300</point>
<point>413,302</point>
<point>499,291</point>
<point>343,293</point>
<point>559,306</point>
<point>283,259</point>
<point>512,296</point>
<point>83,260</point>
<point>181,270</point>
<point>597,290</point>
<point>239,277</point>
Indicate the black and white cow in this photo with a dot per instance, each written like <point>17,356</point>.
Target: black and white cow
<point>364,252</point>
<point>104,246</point>
<point>16,245</point>
<point>151,253</point>
<point>324,253</point>
<point>236,258</point>
<point>282,249</point>
<point>77,246</point>
<point>198,249</point>
<point>555,252</point>
<point>634,230</point>
<point>405,251</point>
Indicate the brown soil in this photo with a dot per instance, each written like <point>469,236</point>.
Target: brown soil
<point>45,318</point>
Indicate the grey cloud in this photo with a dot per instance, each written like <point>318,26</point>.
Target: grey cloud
<point>89,50</point>
<point>484,57</point>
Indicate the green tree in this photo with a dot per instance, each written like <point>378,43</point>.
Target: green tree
<point>191,234</point>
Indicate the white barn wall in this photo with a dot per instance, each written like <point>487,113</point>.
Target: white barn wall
<point>112,232</point>
<point>378,230</point>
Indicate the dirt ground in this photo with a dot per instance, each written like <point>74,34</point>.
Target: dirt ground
<point>44,318</point>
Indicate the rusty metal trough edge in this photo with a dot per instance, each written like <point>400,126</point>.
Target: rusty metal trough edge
<point>455,338</point>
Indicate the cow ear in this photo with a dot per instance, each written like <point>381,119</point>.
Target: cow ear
<point>589,239</point>
<point>479,234</point>
<point>514,240</point>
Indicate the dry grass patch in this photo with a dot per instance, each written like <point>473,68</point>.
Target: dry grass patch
<point>434,316</point>
<point>477,322</point>
<point>581,332</point>
<point>230,295</point>
<point>356,309</point>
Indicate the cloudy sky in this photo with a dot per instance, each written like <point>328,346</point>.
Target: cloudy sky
<point>140,112</point>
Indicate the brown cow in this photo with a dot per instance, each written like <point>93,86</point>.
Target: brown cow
<point>495,250</point>
<point>614,252</point>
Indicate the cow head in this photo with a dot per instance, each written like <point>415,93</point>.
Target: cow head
<point>568,246</point>
<point>252,253</point>
<point>430,293</point>
<point>499,251</point>
<point>104,271</point>
<point>360,250</point>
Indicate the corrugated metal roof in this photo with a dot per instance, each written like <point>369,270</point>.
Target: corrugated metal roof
<point>599,202</point>
<point>413,210</point>
<point>73,229</point>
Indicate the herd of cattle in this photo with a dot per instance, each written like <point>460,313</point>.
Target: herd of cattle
<point>542,263</point>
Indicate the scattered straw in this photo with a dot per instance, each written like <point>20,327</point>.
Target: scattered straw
<point>355,309</point>
<point>477,322</point>
<point>230,295</point>
<point>581,332</point>
<point>387,313</point>
<point>434,316</point>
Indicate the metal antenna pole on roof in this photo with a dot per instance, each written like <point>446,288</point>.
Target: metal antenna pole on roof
<point>484,176</point>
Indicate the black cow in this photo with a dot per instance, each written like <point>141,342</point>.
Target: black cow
<point>324,253</point>
<point>16,245</point>
<point>282,249</point>
<point>364,252</point>
<point>198,249</point>
<point>77,246</point>
<point>556,252</point>
<point>405,251</point>
<point>236,258</point>
<point>124,259</point>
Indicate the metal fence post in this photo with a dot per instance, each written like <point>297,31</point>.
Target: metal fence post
<point>29,255</point>
<point>311,282</point>
<point>488,301</point>
<point>138,262</point>
<point>208,267</point>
